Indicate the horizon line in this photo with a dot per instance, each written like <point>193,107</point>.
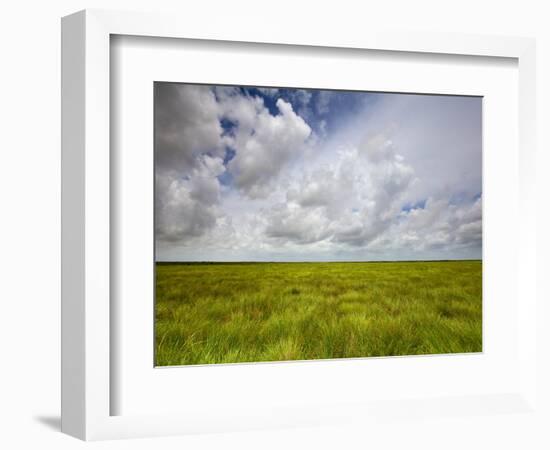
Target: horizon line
<point>327,261</point>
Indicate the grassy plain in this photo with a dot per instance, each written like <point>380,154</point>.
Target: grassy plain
<point>243,312</point>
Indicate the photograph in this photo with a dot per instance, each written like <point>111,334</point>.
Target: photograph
<point>297,223</point>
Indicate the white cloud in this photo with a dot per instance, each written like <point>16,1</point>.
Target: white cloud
<point>191,143</point>
<point>438,225</point>
<point>348,201</point>
<point>186,208</point>
<point>264,144</point>
<point>377,148</point>
<point>301,98</point>
<point>291,223</point>
<point>270,92</point>
<point>291,194</point>
<point>186,126</point>
<point>323,102</point>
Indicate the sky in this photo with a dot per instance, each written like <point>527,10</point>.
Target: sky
<point>283,174</point>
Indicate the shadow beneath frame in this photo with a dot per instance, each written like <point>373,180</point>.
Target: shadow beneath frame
<point>51,422</point>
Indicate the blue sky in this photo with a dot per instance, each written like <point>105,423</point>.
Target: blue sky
<point>283,174</point>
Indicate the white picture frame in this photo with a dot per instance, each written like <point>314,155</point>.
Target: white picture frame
<point>86,220</point>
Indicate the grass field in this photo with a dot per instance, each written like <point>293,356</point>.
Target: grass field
<point>243,312</point>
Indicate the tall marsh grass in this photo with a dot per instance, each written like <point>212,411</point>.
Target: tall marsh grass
<point>245,312</point>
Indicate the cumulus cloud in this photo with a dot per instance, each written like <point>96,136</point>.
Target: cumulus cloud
<point>186,126</point>
<point>187,207</point>
<point>263,143</point>
<point>437,225</point>
<point>191,144</point>
<point>299,225</point>
<point>241,175</point>
<point>189,149</point>
<point>352,199</point>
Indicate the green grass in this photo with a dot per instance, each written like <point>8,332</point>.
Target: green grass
<point>229,313</point>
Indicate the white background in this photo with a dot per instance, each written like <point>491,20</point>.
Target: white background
<point>29,186</point>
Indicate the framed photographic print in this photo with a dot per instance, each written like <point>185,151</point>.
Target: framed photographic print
<point>299,224</point>
<point>269,229</point>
